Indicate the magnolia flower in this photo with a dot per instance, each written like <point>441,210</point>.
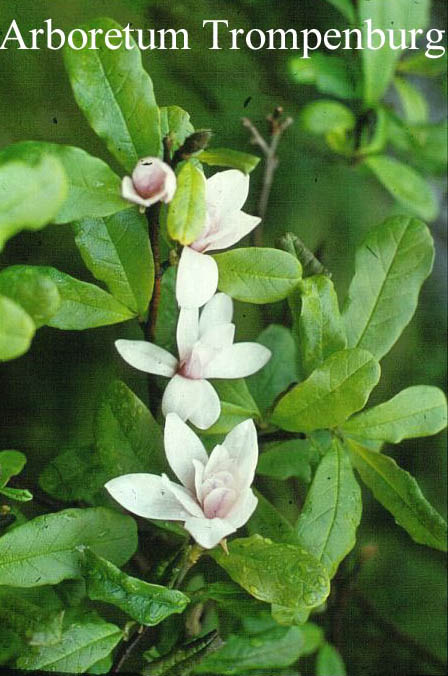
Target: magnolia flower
<point>152,181</point>
<point>226,224</point>
<point>215,498</point>
<point>206,350</point>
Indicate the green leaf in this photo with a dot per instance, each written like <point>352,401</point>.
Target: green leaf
<point>16,329</point>
<point>237,405</point>
<point>268,522</point>
<point>347,10</point>
<point>117,251</point>
<point>414,104</point>
<point>332,511</point>
<point>325,115</point>
<point>272,649</point>
<point>391,265</point>
<point>225,157</point>
<point>400,494</point>
<point>379,64</point>
<point>11,464</point>
<point>35,292</point>
<point>75,475</point>
<point>82,644</point>
<point>335,390</point>
<point>418,411</point>
<point>32,191</point>
<point>258,275</point>
<point>44,550</point>
<point>93,188</point>
<point>17,494</point>
<point>329,662</point>
<point>116,95</point>
<point>255,562</point>
<point>175,124</point>
<point>149,604</point>
<point>320,327</point>
<point>128,439</point>
<point>281,369</point>
<point>83,305</point>
<point>36,617</point>
<point>186,211</point>
<point>166,325</point>
<point>405,185</point>
<point>10,645</point>
<point>285,459</point>
<point>330,74</point>
<point>419,64</point>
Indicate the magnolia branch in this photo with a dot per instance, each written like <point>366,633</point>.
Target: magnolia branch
<point>277,126</point>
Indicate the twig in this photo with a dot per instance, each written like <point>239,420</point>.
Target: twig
<point>277,127</point>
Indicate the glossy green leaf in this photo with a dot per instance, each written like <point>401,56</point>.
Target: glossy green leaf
<point>36,617</point>
<point>16,329</point>
<point>335,390</point>
<point>332,511</point>
<point>418,411</point>
<point>93,188</point>
<point>329,662</point>
<point>32,191</point>
<point>330,74</point>
<point>258,275</point>
<point>273,649</point>
<point>44,550</point>
<point>116,95</point>
<point>268,522</point>
<point>11,464</point>
<point>17,494</point>
<point>320,327</point>
<point>83,643</point>
<point>281,369</point>
<point>379,64</point>
<point>237,405</point>
<point>148,604</point>
<point>117,251</point>
<point>35,292</point>
<point>400,494</point>
<point>414,104</point>
<point>346,8</point>
<point>128,439</point>
<point>75,474</point>
<point>255,562</point>
<point>405,185</point>
<point>83,305</point>
<point>324,116</point>
<point>186,211</point>
<point>175,124</point>
<point>391,265</point>
<point>225,157</point>
<point>419,64</point>
<point>285,459</point>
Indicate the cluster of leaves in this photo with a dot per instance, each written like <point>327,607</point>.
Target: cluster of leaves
<point>61,573</point>
<point>384,135</point>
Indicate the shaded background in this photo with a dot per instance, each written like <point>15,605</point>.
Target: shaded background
<point>49,395</point>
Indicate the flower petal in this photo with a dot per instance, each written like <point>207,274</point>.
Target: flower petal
<point>187,330</point>
<point>182,448</point>
<point>198,479</point>
<point>194,400</point>
<point>147,496</point>
<point>238,361</point>
<point>234,226</point>
<point>147,357</point>
<point>219,501</point>
<point>208,532</point>
<point>242,446</point>
<point>208,407</point>
<point>218,460</point>
<point>128,192</point>
<point>243,509</point>
<point>218,310</point>
<point>227,190</point>
<point>183,495</point>
<point>219,337</point>
<point>197,278</point>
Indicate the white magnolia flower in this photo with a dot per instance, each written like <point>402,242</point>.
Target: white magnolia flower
<point>206,350</point>
<point>215,498</point>
<point>152,181</point>
<point>197,277</point>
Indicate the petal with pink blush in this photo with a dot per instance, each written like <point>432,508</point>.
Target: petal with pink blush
<point>219,502</point>
<point>243,509</point>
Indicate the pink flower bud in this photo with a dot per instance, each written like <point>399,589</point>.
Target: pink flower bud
<point>152,181</point>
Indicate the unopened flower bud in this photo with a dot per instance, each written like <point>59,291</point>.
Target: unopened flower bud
<point>152,181</point>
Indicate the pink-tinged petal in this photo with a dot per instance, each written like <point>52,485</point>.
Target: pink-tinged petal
<point>218,461</point>
<point>129,193</point>
<point>147,357</point>
<point>219,337</point>
<point>187,331</point>
<point>241,444</point>
<point>183,495</point>
<point>218,310</point>
<point>197,278</point>
<point>243,509</point>
<point>182,448</point>
<point>238,361</point>
<point>170,187</point>
<point>227,190</point>
<point>234,226</point>
<point>208,407</point>
<point>219,502</point>
<point>208,532</point>
<point>147,496</point>
<point>154,180</point>
<point>194,400</point>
